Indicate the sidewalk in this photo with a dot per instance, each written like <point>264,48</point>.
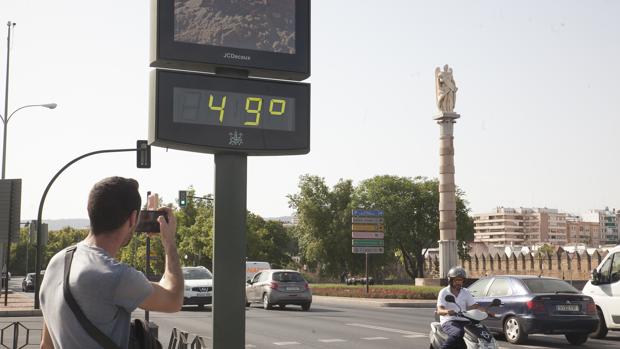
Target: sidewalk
<point>378,302</point>
<point>18,304</point>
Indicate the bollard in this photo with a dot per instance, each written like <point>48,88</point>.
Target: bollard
<point>154,329</point>
<point>15,334</point>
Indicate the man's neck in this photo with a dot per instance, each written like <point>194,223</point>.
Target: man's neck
<point>106,242</point>
<point>455,291</point>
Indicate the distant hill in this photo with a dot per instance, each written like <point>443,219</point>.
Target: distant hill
<point>57,224</point>
<point>83,223</point>
<point>283,219</point>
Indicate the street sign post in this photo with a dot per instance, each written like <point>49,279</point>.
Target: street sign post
<point>367,250</point>
<point>367,235</point>
<point>367,231</point>
<point>367,220</point>
<point>367,242</point>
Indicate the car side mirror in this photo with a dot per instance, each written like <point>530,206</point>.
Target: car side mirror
<point>249,282</point>
<point>595,277</point>
<point>450,299</point>
<point>496,302</point>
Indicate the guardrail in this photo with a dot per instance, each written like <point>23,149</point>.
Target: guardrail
<point>15,342</point>
<point>180,340</point>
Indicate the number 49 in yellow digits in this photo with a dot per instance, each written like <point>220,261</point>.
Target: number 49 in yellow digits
<point>256,111</point>
<point>218,108</point>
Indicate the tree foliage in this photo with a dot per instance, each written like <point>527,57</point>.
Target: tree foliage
<point>411,214</point>
<point>324,228</point>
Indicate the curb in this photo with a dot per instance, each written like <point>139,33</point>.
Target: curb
<point>20,313</point>
<point>380,303</point>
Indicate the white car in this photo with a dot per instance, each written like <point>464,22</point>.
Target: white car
<point>604,288</point>
<point>198,286</point>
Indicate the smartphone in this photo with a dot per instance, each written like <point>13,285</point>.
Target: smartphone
<point>147,221</point>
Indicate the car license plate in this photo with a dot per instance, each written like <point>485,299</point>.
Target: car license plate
<point>203,294</point>
<point>567,307</point>
<point>292,288</point>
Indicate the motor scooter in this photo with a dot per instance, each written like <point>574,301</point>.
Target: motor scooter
<point>477,336</point>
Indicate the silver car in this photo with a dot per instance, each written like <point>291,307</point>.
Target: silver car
<point>278,287</point>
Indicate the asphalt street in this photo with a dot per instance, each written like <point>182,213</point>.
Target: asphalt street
<point>327,325</point>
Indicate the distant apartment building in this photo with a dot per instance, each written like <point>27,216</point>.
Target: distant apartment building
<point>521,226</point>
<point>502,227</point>
<point>580,232</point>
<point>607,221</point>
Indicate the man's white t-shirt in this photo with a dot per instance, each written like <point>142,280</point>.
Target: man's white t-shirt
<point>106,290</point>
<point>464,300</point>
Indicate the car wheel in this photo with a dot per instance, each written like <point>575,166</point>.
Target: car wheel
<point>576,338</point>
<point>305,306</point>
<point>266,303</point>
<point>201,306</point>
<point>601,329</point>
<point>514,331</point>
<point>282,306</point>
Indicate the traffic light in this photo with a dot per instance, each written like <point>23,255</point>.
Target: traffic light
<point>182,198</point>
<point>144,154</point>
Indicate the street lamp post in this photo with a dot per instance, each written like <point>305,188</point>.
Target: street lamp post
<point>5,121</point>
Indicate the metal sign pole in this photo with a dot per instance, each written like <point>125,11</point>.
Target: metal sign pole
<point>229,248</point>
<point>367,272</point>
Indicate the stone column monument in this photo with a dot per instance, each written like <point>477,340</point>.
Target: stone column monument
<point>446,96</point>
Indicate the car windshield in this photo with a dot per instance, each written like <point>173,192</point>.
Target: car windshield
<point>287,277</point>
<point>196,274</point>
<point>542,285</point>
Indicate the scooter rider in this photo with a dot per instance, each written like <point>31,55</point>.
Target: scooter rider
<point>451,324</point>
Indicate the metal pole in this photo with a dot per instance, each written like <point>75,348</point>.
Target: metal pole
<point>6,99</point>
<point>5,120</point>
<point>367,272</point>
<point>38,256</point>
<point>229,248</point>
<point>148,257</point>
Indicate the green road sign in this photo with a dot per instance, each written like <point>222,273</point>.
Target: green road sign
<point>367,242</point>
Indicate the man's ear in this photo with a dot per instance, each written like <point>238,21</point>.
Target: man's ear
<point>133,219</point>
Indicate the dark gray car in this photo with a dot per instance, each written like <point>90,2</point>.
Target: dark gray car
<point>278,287</point>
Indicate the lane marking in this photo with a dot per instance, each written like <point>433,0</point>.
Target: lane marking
<point>286,343</point>
<point>420,335</point>
<point>250,346</point>
<point>387,329</point>
<point>374,338</point>
<point>335,340</point>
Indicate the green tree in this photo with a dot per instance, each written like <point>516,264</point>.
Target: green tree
<point>267,241</point>
<point>324,229</point>
<point>60,239</point>
<point>411,208</point>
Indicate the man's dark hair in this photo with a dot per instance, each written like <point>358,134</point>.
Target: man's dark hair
<point>111,202</point>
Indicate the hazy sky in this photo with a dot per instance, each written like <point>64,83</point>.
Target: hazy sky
<point>538,97</point>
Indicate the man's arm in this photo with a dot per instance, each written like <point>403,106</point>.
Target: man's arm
<point>442,311</point>
<point>46,339</point>
<point>167,295</point>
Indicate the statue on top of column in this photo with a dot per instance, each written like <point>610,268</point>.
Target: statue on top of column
<point>445,87</point>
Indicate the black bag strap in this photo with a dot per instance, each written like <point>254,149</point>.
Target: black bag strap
<point>91,329</point>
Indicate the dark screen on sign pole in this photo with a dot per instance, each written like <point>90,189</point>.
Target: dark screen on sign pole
<point>253,25</point>
<point>223,108</point>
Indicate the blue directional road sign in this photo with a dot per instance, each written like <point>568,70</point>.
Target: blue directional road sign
<point>367,213</point>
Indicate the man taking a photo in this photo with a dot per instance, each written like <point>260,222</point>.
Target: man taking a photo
<point>106,290</point>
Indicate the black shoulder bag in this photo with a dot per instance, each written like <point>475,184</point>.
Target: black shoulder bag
<point>140,337</point>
